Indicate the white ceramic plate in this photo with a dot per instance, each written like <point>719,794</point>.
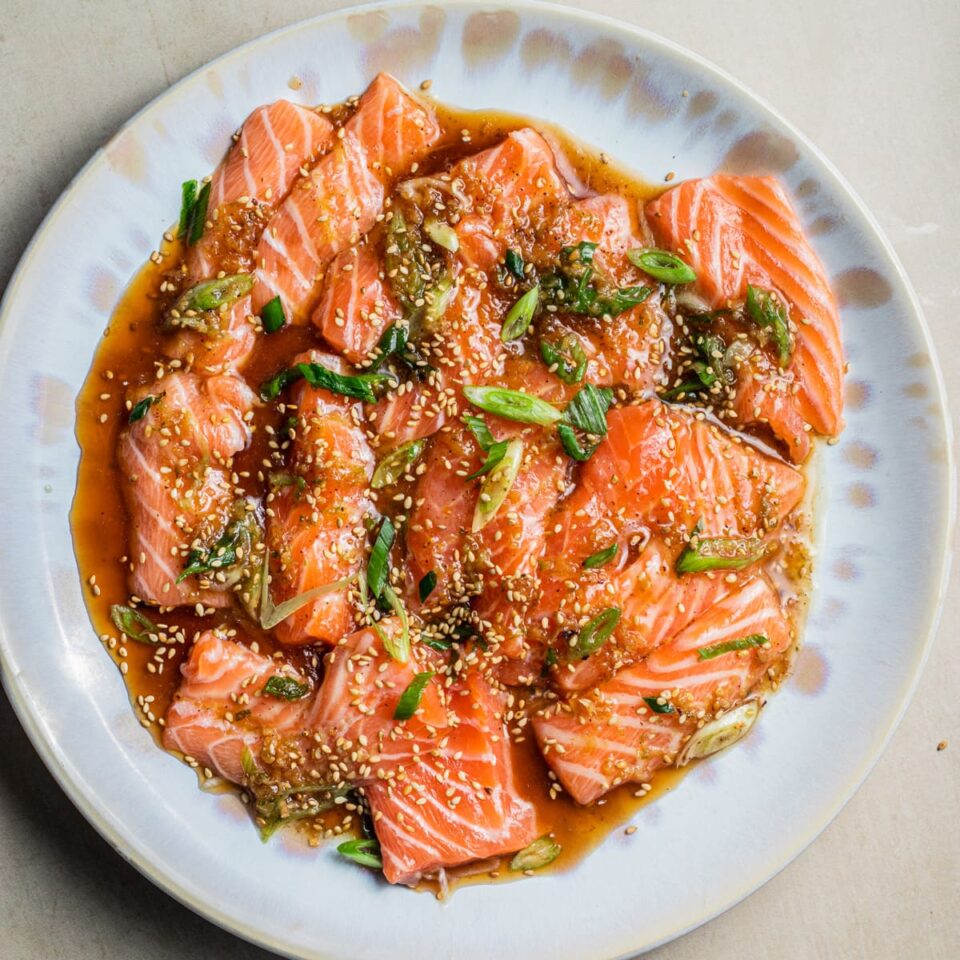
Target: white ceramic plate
<point>885,503</point>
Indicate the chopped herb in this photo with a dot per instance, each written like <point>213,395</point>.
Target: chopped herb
<point>410,698</point>
<point>198,215</point>
<point>214,294</point>
<point>497,483</point>
<point>770,313</point>
<point>393,466</point>
<point>406,264</point>
<point>729,646</point>
<point>272,316</point>
<point>379,567</point>
<point>427,585</point>
<point>397,647</point>
<point>134,624</point>
<point>514,263</point>
<point>585,421</point>
<point>720,553</point>
<point>188,200</point>
<point>139,410</point>
<point>285,688</point>
<point>594,634</point>
<point>662,265</point>
<point>520,315</point>
<point>232,547</point>
<point>364,852</point>
<point>512,405</point>
<point>601,557</point>
<point>657,707</point>
<point>575,286</point>
<point>359,386</point>
<point>538,854</point>
<point>567,356</point>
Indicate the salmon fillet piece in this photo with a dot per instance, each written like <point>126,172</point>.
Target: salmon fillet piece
<point>220,707</point>
<point>315,530</point>
<point>668,467</point>
<point>175,462</point>
<point>338,202</point>
<point>265,159</point>
<point>440,786</point>
<point>611,735</point>
<point>736,231</point>
<point>357,304</point>
<point>224,350</point>
<point>654,602</point>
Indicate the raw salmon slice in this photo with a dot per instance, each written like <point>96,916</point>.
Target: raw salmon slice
<point>339,201</point>
<point>175,461</point>
<point>223,350</point>
<point>315,529</point>
<point>440,786</point>
<point>654,602</point>
<point>669,467</point>
<point>737,231</point>
<point>612,735</point>
<point>356,305</point>
<point>266,156</point>
<point>221,707</point>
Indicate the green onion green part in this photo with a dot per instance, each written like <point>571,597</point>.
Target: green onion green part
<point>378,569</point>
<point>364,852</point>
<point>272,316</point>
<point>538,854</point>
<point>393,466</point>
<point>662,265</point>
<point>729,646</point>
<point>520,315</point>
<point>427,585</point>
<point>497,483</point>
<point>770,313</point>
<point>409,700</point>
<point>566,358</point>
<point>188,200</point>
<point>594,634</point>
<point>657,707</point>
<point>512,405</point>
<point>139,410</point>
<point>285,688</point>
<point>134,624</point>
<point>720,553</point>
<point>601,557</point>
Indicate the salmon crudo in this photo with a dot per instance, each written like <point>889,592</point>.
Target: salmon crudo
<point>443,487</point>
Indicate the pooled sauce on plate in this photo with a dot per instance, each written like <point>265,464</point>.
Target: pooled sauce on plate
<point>693,569</point>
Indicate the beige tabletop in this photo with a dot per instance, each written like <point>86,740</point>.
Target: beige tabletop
<point>876,84</point>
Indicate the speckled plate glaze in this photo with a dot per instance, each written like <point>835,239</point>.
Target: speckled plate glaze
<point>885,491</point>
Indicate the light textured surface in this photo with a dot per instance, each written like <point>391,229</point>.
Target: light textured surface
<point>877,93</point>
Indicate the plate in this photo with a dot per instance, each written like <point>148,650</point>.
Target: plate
<point>885,495</point>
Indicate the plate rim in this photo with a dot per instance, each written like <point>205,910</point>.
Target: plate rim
<point>18,694</point>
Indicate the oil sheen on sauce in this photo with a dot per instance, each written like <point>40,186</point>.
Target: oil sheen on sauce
<point>128,353</point>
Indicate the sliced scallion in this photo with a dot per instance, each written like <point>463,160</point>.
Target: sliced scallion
<point>409,700</point>
<point>285,688</point>
<point>359,386</point>
<point>378,569</point>
<point>586,413</point>
<point>139,410</point>
<point>770,313</point>
<point>442,234</point>
<point>721,733</point>
<point>720,553</point>
<point>538,854</point>
<point>595,633</point>
<point>427,585</point>
<point>134,624</point>
<point>566,358</point>
<point>662,265</point>
<point>188,200</point>
<point>198,215</point>
<point>271,614</point>
<point>601,557</point>
<point>512,405</point>
<point>272,316</point>
<point>495,453</point>
<point>397,647</point>
<point>497,483</point>
<point>393,466</point>
<point>514,263</point>
<point>215,294</point>
<point>731,646</point>
<point>520,315</point>
<point>657,707</point>
<point>366,853</point>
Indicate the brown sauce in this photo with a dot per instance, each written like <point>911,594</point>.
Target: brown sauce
<point>131,344</point>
